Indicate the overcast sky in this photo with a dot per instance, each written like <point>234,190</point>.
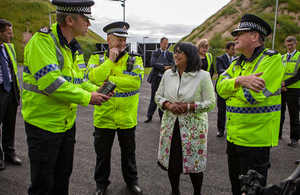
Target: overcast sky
<point>154,18</point>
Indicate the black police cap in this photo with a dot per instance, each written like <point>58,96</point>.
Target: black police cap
<point>252,22</point>
<point>117,28</point>
<point>82,7</point>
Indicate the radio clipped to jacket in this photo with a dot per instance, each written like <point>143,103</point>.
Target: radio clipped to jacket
<point>131,60</point>
<point>107,88</point>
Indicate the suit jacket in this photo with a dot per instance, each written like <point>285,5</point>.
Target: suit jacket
<point>15,86</point>
<point>222,63</point>
<point>157,67</point>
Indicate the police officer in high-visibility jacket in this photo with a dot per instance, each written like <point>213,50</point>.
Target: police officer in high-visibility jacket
<point>119,115</point>
<point>291,89</point>
<point>53,85</point>
<point>252,86</point>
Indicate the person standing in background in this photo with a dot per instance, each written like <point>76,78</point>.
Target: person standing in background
<point>206,58</point>
<point>290,91</point>
<point>9,95</point>
<point>222,63</point>
<point>161,60</point>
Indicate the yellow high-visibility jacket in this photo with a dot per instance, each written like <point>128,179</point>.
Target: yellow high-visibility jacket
<point>120,112</point>
<point>291,69</point>
<point>53,82</point>
<point>253,118</point>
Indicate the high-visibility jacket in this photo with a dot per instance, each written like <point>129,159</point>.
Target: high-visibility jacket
<point>253,118</point>
<point>52,82</point>
<point>120,112</point>
<point>12,55</point>
<point>291,69</point>
<point>209,61</point>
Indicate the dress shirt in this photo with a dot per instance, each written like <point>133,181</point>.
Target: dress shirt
<point>9,71</point>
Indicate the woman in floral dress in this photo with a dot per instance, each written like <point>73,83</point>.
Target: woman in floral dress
<point>186,94</point>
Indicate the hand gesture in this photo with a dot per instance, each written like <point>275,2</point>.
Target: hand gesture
<point>113,54</point>
<point>98,98</point>
<point>253,82</point>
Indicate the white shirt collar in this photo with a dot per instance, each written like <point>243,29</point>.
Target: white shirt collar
<point>292,54</point>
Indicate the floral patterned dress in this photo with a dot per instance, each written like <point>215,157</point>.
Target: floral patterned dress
<point>192,87</point>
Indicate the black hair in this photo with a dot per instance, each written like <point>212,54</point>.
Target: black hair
<point>3,24</point>
<point>192,53</point>
<point>229,44</point>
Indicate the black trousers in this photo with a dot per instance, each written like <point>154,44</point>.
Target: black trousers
<point>8,114</point>
<point>221,103</point>
<point>152,106</point>
<point>51,160</point>
<point>103,142</point>
<point>241,159</point>
<point>293,107</point>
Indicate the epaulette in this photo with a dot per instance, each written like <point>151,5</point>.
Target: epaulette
<point>270,52</point>
<point>45,30</point>
<point>98,52</point>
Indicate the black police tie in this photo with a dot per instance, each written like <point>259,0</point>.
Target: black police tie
<point>163,53</point>
<point>288,57</point>
<point>5,76</point>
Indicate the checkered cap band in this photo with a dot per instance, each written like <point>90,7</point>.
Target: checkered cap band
<point>253,26</point>
<point>117,30</point>
<point>85,10</point>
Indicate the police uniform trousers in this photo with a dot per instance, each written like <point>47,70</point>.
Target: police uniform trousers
<point>103,142</point>
<point>241,159</point>
<point>292,102</point>
<point>152,106</point>
<point>221,103</point>
<point>51,160</point>
<point>8,113</point>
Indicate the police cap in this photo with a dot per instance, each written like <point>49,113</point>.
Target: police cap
<point>252,22</point>
<point>117,28</point>
<point>82,7</point>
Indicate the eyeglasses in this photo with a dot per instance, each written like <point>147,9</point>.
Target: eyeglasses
<point>178,52</point>
<point>290,44</point>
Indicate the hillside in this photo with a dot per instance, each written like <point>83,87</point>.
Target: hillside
<point>217,28</point>
<point>28,16</point>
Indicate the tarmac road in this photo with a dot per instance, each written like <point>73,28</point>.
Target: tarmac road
<point>15,180</point>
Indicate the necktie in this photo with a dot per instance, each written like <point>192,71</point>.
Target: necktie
<point>6,81</point>
<point>230,60</point>
<point>163,53</point>
<point>288,57</point>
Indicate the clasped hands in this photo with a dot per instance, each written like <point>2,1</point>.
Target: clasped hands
<point>177,108</point>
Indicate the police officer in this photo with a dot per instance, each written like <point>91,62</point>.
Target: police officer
<point>119,115</point>
<point>291,89</point>
<point>54,84</point>
<point>252,86</point>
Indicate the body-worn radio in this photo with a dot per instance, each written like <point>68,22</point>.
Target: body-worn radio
<point>107,88</point>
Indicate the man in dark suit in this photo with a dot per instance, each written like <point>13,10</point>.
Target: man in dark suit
<point>9,95</point>
<point>161,60</point>
<point>222,63</point>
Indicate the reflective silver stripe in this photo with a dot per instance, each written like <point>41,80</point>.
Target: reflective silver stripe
<point>55,85</point>
<point>268,93</point>
<point>59,55</point>
<point>45,70</point>
<point>253,110</point>
<point>258,62</point>
<point>278,92</point>
<point>93,66</point>
<point>138,66</point>
<point>32,88</point>
<point>12,51</point>
<point>126,94</point>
